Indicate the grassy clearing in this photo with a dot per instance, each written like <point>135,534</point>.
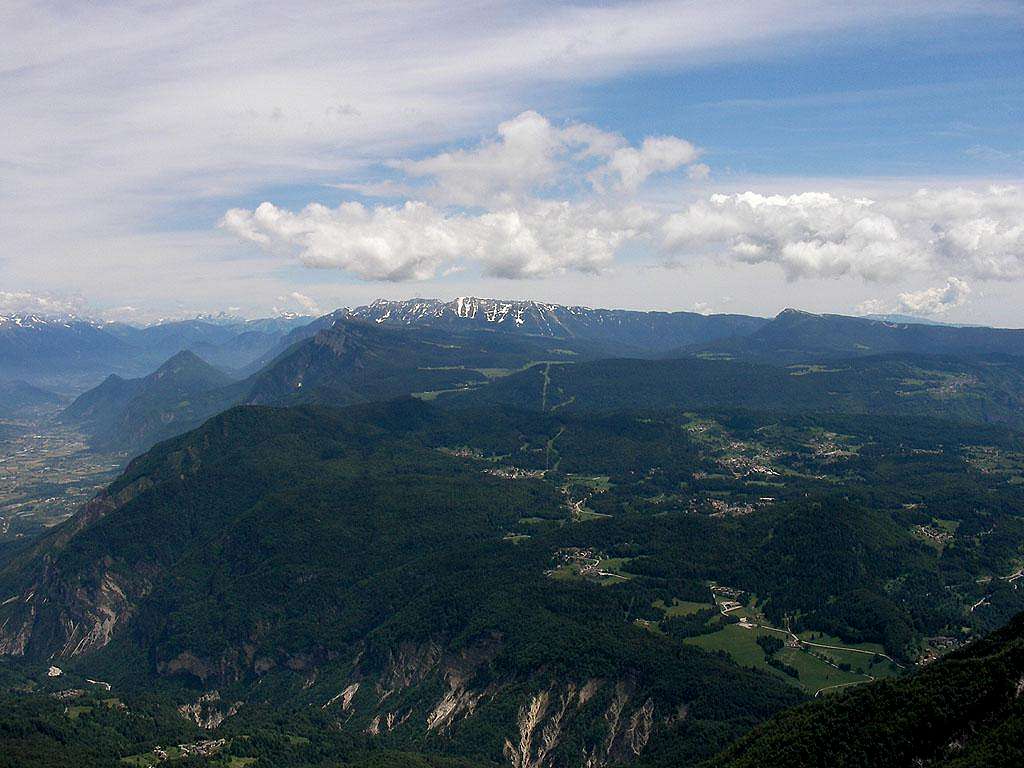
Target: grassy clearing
<point>859,662</point>
<point>680,607</point>
<point>145,760</point>
<point>597,483</point>
<point>741,645</point>
<point>495,373</point>
<point>434,394</point>
<point>569,572</point>
<point>824,639</point>
<point>586,513</point>
<point>816,674</point>
<point>803,370</point>
<point>609,571</point>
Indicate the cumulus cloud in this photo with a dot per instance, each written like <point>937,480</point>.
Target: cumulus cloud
<point>417,241</point>
<point>935,301</point>
<point>983,230</point>
<point>927,302</point>
<point>538,199</point>
<point>407,242</point>
<point>818,234</point>
<point>629,167</point>
<point>976,233</point>
<point>301,300</point>
<point>530,154</point>
<point>525,155</point>
<point>531,202</point>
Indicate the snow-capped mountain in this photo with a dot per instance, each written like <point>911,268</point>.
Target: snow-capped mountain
<point>645,331</point>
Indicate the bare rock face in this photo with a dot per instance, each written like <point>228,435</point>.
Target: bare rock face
<point>62,616</point>
<point>544,719</point>
<point>409,665</point>
<point>208,711</point>
<point>379,702</point>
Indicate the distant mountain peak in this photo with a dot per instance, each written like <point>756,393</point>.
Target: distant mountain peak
<point>185,355</point>
<point>184,359</point>
<point>792,312</point>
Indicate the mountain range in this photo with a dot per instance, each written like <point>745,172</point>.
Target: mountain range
<point>795,336</point>
<point>70,354</point>
<point>390,349</point>
<point>621,331</point>
<point>483,533</point>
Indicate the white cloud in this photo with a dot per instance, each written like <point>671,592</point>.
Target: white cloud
<point>935,301</point>
<point>981,231</point>
<point>629,167</point>
<point>818,234</point>
<point>304,302</point>
<point>407,242</point>
<point>24,302</point>
<point>927,302</point>
<point>530,154</point>
<point>527,154</point>
<point>416,241</point>
<point>505,222</point>
<point>128,127</point>
<point>698,172</point>
<point>977,233</point>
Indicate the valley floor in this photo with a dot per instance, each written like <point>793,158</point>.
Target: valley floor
<point>46,473</point>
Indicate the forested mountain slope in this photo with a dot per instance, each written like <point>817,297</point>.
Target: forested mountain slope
<point>978,390</point>
<point>344,362</point>
<point>446,581</point>
<point>964,711</point>
<point>128,414</point>
<point>300,554</point>
<point>795,336</point>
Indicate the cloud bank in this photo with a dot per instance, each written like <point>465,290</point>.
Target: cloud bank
<point>416,241</point>
<point>539,199</point>
<point>818,234</point>
<point>497,205</point>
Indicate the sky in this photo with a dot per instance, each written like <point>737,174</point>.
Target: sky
<point>165,159</point>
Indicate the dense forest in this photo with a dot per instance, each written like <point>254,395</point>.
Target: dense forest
<point>692,572</point>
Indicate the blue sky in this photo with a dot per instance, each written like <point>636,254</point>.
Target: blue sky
<point>146,137</point>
